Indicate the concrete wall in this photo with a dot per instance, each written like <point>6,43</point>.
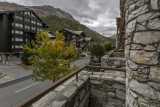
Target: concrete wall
<point>142,51</point>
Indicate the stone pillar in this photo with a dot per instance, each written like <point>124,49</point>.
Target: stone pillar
<point>142,50</point>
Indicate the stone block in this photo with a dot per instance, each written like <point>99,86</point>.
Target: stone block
<point>146,38</point>
<point>119,86</point>
<point>144,57</point>
<point>59,88</point>
<point>111,94</point>
<point>70,91</point>
<point>149,48</point>
<point>98,93</point>
<point>154,73</point>
<point>138,11</point>
<point>120,79</point>
<point>148,93</point>
<point>94,77</point>
<point>121,95</point>
<point>58,103</point>
<point>154,85</point>
<point>107,77</point>
<point>154,24</point>
<point>155,4</point>
<point>45,100</point>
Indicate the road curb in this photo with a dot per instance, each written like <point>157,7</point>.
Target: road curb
<point>15,81</point>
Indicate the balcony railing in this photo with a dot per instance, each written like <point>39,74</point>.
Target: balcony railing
<point>32,99</point>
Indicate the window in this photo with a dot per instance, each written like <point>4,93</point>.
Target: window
<point>21,46</point>
<point>12,46</point>
<point>12,31</point>
<point>27,27</point>
<point>19,39</point>
<point>33,28</point>
<point>12,39</point>
<point>18,32</point>
<point>19,25</point>
<point>18,17</point>
<point>38,23</point>
<point>27,20</point>
<point>16,46</point>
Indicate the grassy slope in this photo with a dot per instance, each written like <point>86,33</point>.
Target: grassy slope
<point>55,23</point>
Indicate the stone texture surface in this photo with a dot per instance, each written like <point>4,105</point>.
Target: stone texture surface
<point>69,94</point>
<point>96,90</point>
<point>114,61</point>
<point>143,53</point>
<point>109,91</point>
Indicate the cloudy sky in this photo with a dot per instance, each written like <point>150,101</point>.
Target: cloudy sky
<point>99,15</point>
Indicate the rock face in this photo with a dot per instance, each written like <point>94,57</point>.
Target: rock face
<point>143,53</point>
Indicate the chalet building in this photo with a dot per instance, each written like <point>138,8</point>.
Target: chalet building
<point>85,42</point>
<point>72,36</point>
<point>16,28</point>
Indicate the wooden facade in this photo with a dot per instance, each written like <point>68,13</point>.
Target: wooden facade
<point>72,36</point>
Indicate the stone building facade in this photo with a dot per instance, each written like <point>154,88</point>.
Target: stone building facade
<point>121,26</point>
<point>142,52</point>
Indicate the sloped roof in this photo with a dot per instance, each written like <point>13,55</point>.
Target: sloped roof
<point>25,10</point>
<point>79,33</point>
<point>86,39</point>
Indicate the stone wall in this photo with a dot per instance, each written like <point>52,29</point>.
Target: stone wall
<point>100,89</point>
<point>113,62</point>
<point>69,94</point>
<point>107,89</point>
<point>142,51</point>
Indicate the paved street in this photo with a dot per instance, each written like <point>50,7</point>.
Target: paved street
<point>13,72</point>
<point>17,92</point>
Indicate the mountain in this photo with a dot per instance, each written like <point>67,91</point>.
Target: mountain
<point>49,10</point>
<point>57,19</point>
<point>113,36</point>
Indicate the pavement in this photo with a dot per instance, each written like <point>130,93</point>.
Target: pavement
<point>18,91</point>
<point>15,93</point>
<point>13,72</point>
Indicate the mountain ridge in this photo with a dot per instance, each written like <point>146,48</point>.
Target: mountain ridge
<point>63,19</point>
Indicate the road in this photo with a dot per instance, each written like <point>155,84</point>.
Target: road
<point>17,92</point>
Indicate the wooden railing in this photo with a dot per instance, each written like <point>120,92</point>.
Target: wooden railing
<point>32,99</point>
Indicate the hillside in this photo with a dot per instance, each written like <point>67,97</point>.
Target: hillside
<point>57,19</point>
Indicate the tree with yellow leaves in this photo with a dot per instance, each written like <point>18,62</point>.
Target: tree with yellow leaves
<point>49,58</point>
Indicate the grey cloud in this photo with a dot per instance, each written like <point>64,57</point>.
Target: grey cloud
<point>86,11</point>
<point>106,31</point>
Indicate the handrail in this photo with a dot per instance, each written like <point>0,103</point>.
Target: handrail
<point>32,99</point>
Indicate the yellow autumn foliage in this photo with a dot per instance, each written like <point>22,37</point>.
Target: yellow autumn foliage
<point>49,58</point>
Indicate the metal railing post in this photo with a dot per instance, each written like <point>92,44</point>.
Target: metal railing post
<point>77,77</point>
